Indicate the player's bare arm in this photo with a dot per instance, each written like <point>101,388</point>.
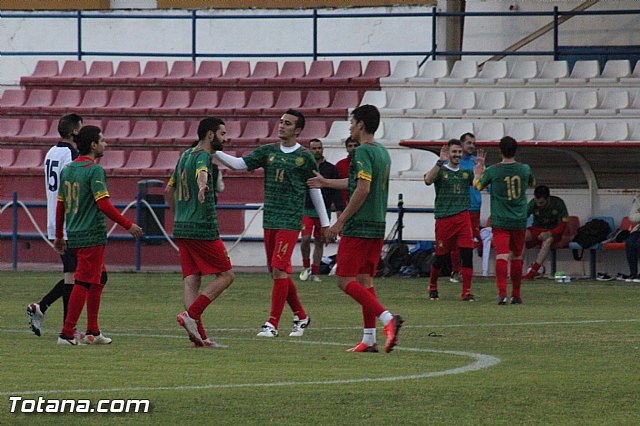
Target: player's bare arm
<point>170,196</point>
<point>478,167</point>
<point>430,176</point>
<point>320,181</point>
<point>202,185</point>
<point>355,202</point>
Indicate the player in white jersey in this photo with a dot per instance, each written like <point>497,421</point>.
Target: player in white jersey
<point>57,157</point>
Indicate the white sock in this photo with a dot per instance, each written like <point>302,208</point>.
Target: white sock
<point>369,336</point>
<point>386,317</point>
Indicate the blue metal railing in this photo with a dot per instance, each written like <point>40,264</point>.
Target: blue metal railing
<point>315,16</point>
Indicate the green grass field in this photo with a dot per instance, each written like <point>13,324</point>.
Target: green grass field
<point>569,355</point>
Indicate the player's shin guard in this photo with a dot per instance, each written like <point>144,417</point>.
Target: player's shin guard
<point>278,299</point>
<point>93,308</point>
<point>516,277</point>
<point>501,276</point>
<point>294,301</point>
<point>76,304</point>
<point>360,294</point>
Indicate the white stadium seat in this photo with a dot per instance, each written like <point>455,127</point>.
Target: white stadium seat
<point>522,132</point>
<point>339,131</point>
<point>582,72</point>
<point>634,78</point>
<point>431,72</point>
<point>461,72</point>
<point>551,132</point>
<point>549,104</point>
<point>582,132</point>
<point>518,103</point>
<point>579,104</point>
<point>459,103</point>
<point>489,103</point>
<point>377,98</point>
<point>613,71</point>
<point>399,102</point>
<point>428,103</point>
<point>634,108</point>
<point>611,104</point>
<point>613,132</point>
<point>491,71</point>
<point>458,128</point>
<point>430,131</point>
<point>401,72</point>
<point>551,73</point>
<point>521,72</point>
<point>491,131</point>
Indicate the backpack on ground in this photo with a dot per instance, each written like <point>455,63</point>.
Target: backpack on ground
<point>589,234</point>
<point>395,259</point>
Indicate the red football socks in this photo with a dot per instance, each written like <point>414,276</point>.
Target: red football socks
<point>501,276</point>
<point>76,304</point>
<point>361,295</point>
<point>516,277</point>
<point>93,308</point>
<point>294,302</point>
<point>279,295</point>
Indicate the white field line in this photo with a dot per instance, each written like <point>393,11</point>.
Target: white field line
<point>480,361</point>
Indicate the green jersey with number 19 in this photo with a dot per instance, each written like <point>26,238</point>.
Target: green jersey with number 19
<point>82,184</point>
<point>508,198</point>
<point>194,220</point>
<point>370,162</point>
<point>285,183</point>
<point>452,191</point>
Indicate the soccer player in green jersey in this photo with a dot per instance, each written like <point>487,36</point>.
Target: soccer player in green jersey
<point>83,202</point>
<point>509,180</point>
<point>287,166</point>
<point>550,217</point>
<point>190,194</point>
<point>362,226</point>
<point>453,221</point>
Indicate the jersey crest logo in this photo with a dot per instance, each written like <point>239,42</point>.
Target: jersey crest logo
<point>271,158</point>
<point>465,175</point>
<point>299,161</point>
<point>554,212</point>
<point>445,176</point>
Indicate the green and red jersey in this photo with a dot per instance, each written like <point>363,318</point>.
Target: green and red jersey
<point>550,216</point>
<point>194,220</point>
<point>83,183</point>
<point>509,183</point>
<point>452,191</point>
<point>285,183</point>
<point>370,162</point>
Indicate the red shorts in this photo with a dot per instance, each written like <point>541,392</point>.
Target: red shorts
<point>279,244</point>
<point>203,257</point>
<point>475,224</point>
<point>506,241</point>
<point>311,224</point>
<point>90,264</point>
<point>453,232</point>
<point>535,233</point>
<point>358,256</point>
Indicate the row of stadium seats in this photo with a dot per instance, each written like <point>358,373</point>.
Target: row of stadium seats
<point>157,133</point>
<point>240,103</point>
<point>390,133</point>
<point>409,103</point>
<point>184,73</point>
<point>513,73</point>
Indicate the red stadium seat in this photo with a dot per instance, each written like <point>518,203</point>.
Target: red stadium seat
<point>235,71</point>
<point>233,128</point>
<point>93,99</point>
<point>120,99</point>
<point>230,102</point>
<point>373,73</point>
<point>41,74</point>
<point>170,131</point>
<point>258,102</point>
<point>164,163</point>
<point>318,71</point>
<point>9,127</point>
<point>180,70</point>
<point>7,157</point>
<point>146,103</point>
<point>290,71</point>
<point>66,100</point>
<point>93,122</point>
<point>126,71</point>
<point>342,101</point>
<point>253,132</point>
<point>314,129</point>
<point>264,70</point>
<point>207,71</point>
<point>37,99</point>
<point>315,100</point>
<point>32,130</point>
<point>143,132</point>
<point>345,72</point>
<point>287,99</point>
<point>152,71</point>
<point>12,98</point>
<point>113,159</point>
<point>52,136</point>
<point>137,161</point>
<point>97,72</point>
<point>203,102</point>
<point>191,134</point>
<point>71,70</point>
<point>175,101</point>
<point>27,161</point>
<point>116,129</point>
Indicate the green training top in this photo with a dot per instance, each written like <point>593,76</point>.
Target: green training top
<point>82,184</point>
<point>285,183</point>
<point>370,162</point>
<point>194,220</point>
<point>508,199</point>
<point>452,191</point>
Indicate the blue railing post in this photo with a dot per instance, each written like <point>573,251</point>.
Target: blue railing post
<point>555,33</point>
<point>193,36</point>
<point>434,45</point>
<point>14,234</point>
<point>400,217</point>
<point>315,34</point>
<point>139,240</point>
<point>79,23</point>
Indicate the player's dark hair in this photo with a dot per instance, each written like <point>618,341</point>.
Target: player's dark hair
<point>466,135</point>
<point>315,140</point>
<point>67,124</point>
<point>454,142</point>
<point>300,118</point>
<point>348,140</point>
<point>209,123</point>
<point>369,115</point>
<point>541,191</point>
<point>86,136</point>
<point>508,147</point>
